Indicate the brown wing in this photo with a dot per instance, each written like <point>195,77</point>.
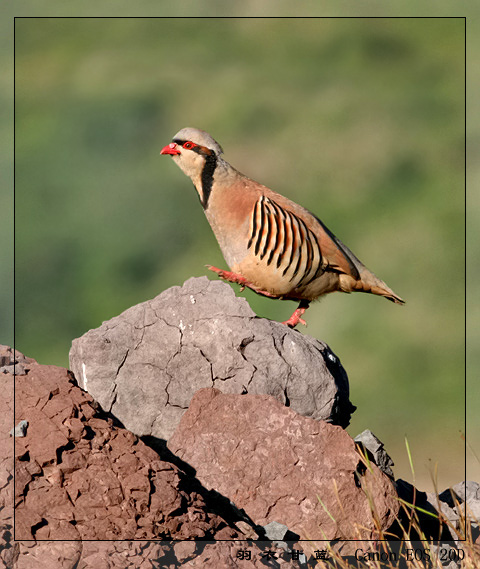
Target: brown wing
<point>297,242</point>
<point>338,256</point>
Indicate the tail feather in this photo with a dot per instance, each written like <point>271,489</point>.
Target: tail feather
<point>370,283</point>
<point>360,278</point>
<point>387,293</point>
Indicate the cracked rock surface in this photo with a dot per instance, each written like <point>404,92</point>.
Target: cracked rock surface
<point>78,476</point>
<point>8,548</point>
<point>280,466</point>
<point>145,365</point>
<point>145,555</point>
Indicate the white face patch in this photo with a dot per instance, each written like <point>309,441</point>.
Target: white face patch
<point>191,164</point>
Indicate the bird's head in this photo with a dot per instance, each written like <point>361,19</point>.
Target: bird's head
<point>198,155</point>
<point>192,149</point>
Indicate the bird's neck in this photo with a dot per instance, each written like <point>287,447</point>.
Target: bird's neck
<point>214,170</point>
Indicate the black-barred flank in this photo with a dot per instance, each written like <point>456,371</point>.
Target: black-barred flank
<point>279,235</point>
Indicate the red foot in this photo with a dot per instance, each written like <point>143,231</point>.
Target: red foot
<point>296,317</point>
<point>238,279</point>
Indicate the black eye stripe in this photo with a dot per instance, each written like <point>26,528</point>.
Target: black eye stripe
<point>196,148</point>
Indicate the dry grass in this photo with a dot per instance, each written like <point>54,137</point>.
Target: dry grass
<point>412,543</point>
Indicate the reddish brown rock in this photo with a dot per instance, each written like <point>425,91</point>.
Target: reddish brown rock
<point>9,550</point>
<point>92,555</point>
<point>149,555</point>
<point>80,477</point>
<point>281,466</point>
<point>231,555</point>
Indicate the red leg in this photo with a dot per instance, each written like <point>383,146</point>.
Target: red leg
<point>229,276</point>
<point>296,317</point>
<point>238,279</point>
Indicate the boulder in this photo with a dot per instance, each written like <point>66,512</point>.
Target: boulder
<point>145,365</point>
<point>79,476</point>
<point>280,466</point>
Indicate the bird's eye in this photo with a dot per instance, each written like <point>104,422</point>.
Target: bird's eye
<point>188,145</point>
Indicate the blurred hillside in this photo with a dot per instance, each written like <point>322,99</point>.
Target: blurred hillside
<point>361,121</point>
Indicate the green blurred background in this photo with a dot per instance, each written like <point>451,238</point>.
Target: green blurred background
<point>359,120</point>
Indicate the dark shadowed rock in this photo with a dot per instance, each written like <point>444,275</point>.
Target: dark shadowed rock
<point>280,466</point>
<point>369,442</point>
<point>80,477</point>
<point>145,364</point>
<point>424,507</point>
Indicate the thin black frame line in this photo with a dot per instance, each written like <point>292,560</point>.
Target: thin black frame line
<point>247,18</point>
<point>14,287</point>
<point>240,17</point>
<point>465,262</point>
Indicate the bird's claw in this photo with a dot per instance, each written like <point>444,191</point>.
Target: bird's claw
<point>296,317</point>
<point>293,321</point>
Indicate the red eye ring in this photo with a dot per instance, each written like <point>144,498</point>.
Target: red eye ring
<point>188,145</point>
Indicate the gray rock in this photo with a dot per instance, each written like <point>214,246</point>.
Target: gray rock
<point>275,531</point>
<point>17,369</point>
<point>464,492</point>
<point>280,534</point>
<point>468,491</point>
<point>379,454</point>
<point>145,365</point>
<point>19,430</point>
<point>448,512</point>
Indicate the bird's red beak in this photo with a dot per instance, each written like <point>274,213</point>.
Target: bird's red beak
<point>170,149</point>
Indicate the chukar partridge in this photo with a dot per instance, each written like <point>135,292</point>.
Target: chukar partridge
<point>272,245</point>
